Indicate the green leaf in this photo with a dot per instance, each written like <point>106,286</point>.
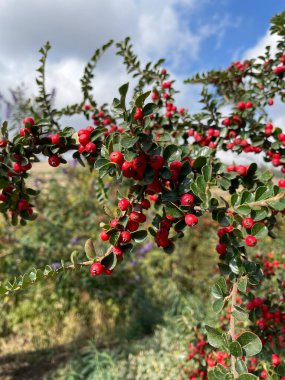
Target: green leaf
<point>172,153</point>
<point>240,366</point>
<point>149,108</point>
<point>217,291</point>
<point>250,343</point>
<point>207,172</point>
<point>3,182</point>
<point>235,349</point>
<point>139,236</point>
<point>73,259</point>
<point>248,376</point>
<point>109,261</point>
<point>123,92</point>
<point>240,314</point>
<point>220,372</point>
<point>281,369</point>
<point>222,284</point>
<point>218,305</point>
<point>243,210</point>
<point>235,199</point>
<point>215,337</point>
<point>260,214</point>
<point>114,237</point>
<point>89,249</point>
<point>173,210</point>
<point>128,142</point>
<point>259,230</point>
<point>199,162</point>
<point>242,285</point>
<point>141,98</point>
<point>262,192</point>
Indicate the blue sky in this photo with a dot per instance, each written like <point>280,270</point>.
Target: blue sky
<point>245,22</point>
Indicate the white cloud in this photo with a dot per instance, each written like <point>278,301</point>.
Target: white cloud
<point>259,49</point>
<point>75,28</point>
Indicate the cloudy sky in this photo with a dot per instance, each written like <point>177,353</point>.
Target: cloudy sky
<point>192,35</point>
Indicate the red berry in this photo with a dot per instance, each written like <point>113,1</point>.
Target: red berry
<point>27,167</point>
<point>281,183</point>
<point>84,138</point>
<point>81,148</point>
<point>142,217</point>
<point>107,271</point>
<point>231,168</point>
<point>17,167</point>
<point>139,163</point>
<point>29,120</point>
<point>128,170</point>
<point>241,170</point>
<point>156,162</point>
<point>117,157</point>
<point>90,148</point>
<point>113,223</point>
<point>3,198</point>
<point>132,226</point>
<point>187,200</point>
<point>135,216</point>
<point>221,248</point>
<point>118,251</point>
<point>104,236</point>
<point>145,203</point>
<point>166,84</point>
<point>191,220</point>
<point>23,131</point>
<point>275,360</point>
<point>138,114</point>
<point>270,102</point>
<point>23,204</point>
<point>96,269</point>
<point>241,106</point>
<point>176,166</point>
<point>3,143</point>
<point>125,237</point>
<point>54,160</point>
<point>247,222</point>
<point>248,105</point>
<point>250,241</point>
<point>123,204</point>
<point>227,122</point>
<point>263,374</point>
<point>55,138</point>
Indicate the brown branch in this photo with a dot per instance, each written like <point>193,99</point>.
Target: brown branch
<point>263,203</point>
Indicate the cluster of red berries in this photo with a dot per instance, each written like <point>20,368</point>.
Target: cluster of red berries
<point>270,265</point>
<point>250,240</point>
<point>210,139</point>
<point>22,204</point>
<point>134,217</point>
<point>28,124</point>
<point>136,168</point>
<point>240,169</point>
<point>276,157</point>
<point>162,234</point>
<point>203,359</point>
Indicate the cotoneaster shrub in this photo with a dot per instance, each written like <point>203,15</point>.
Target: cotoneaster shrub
<point>168,157</point>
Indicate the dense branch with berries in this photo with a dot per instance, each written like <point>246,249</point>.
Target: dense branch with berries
<point>167,157</point>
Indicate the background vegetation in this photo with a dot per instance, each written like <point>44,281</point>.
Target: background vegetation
<point>136,324</point>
